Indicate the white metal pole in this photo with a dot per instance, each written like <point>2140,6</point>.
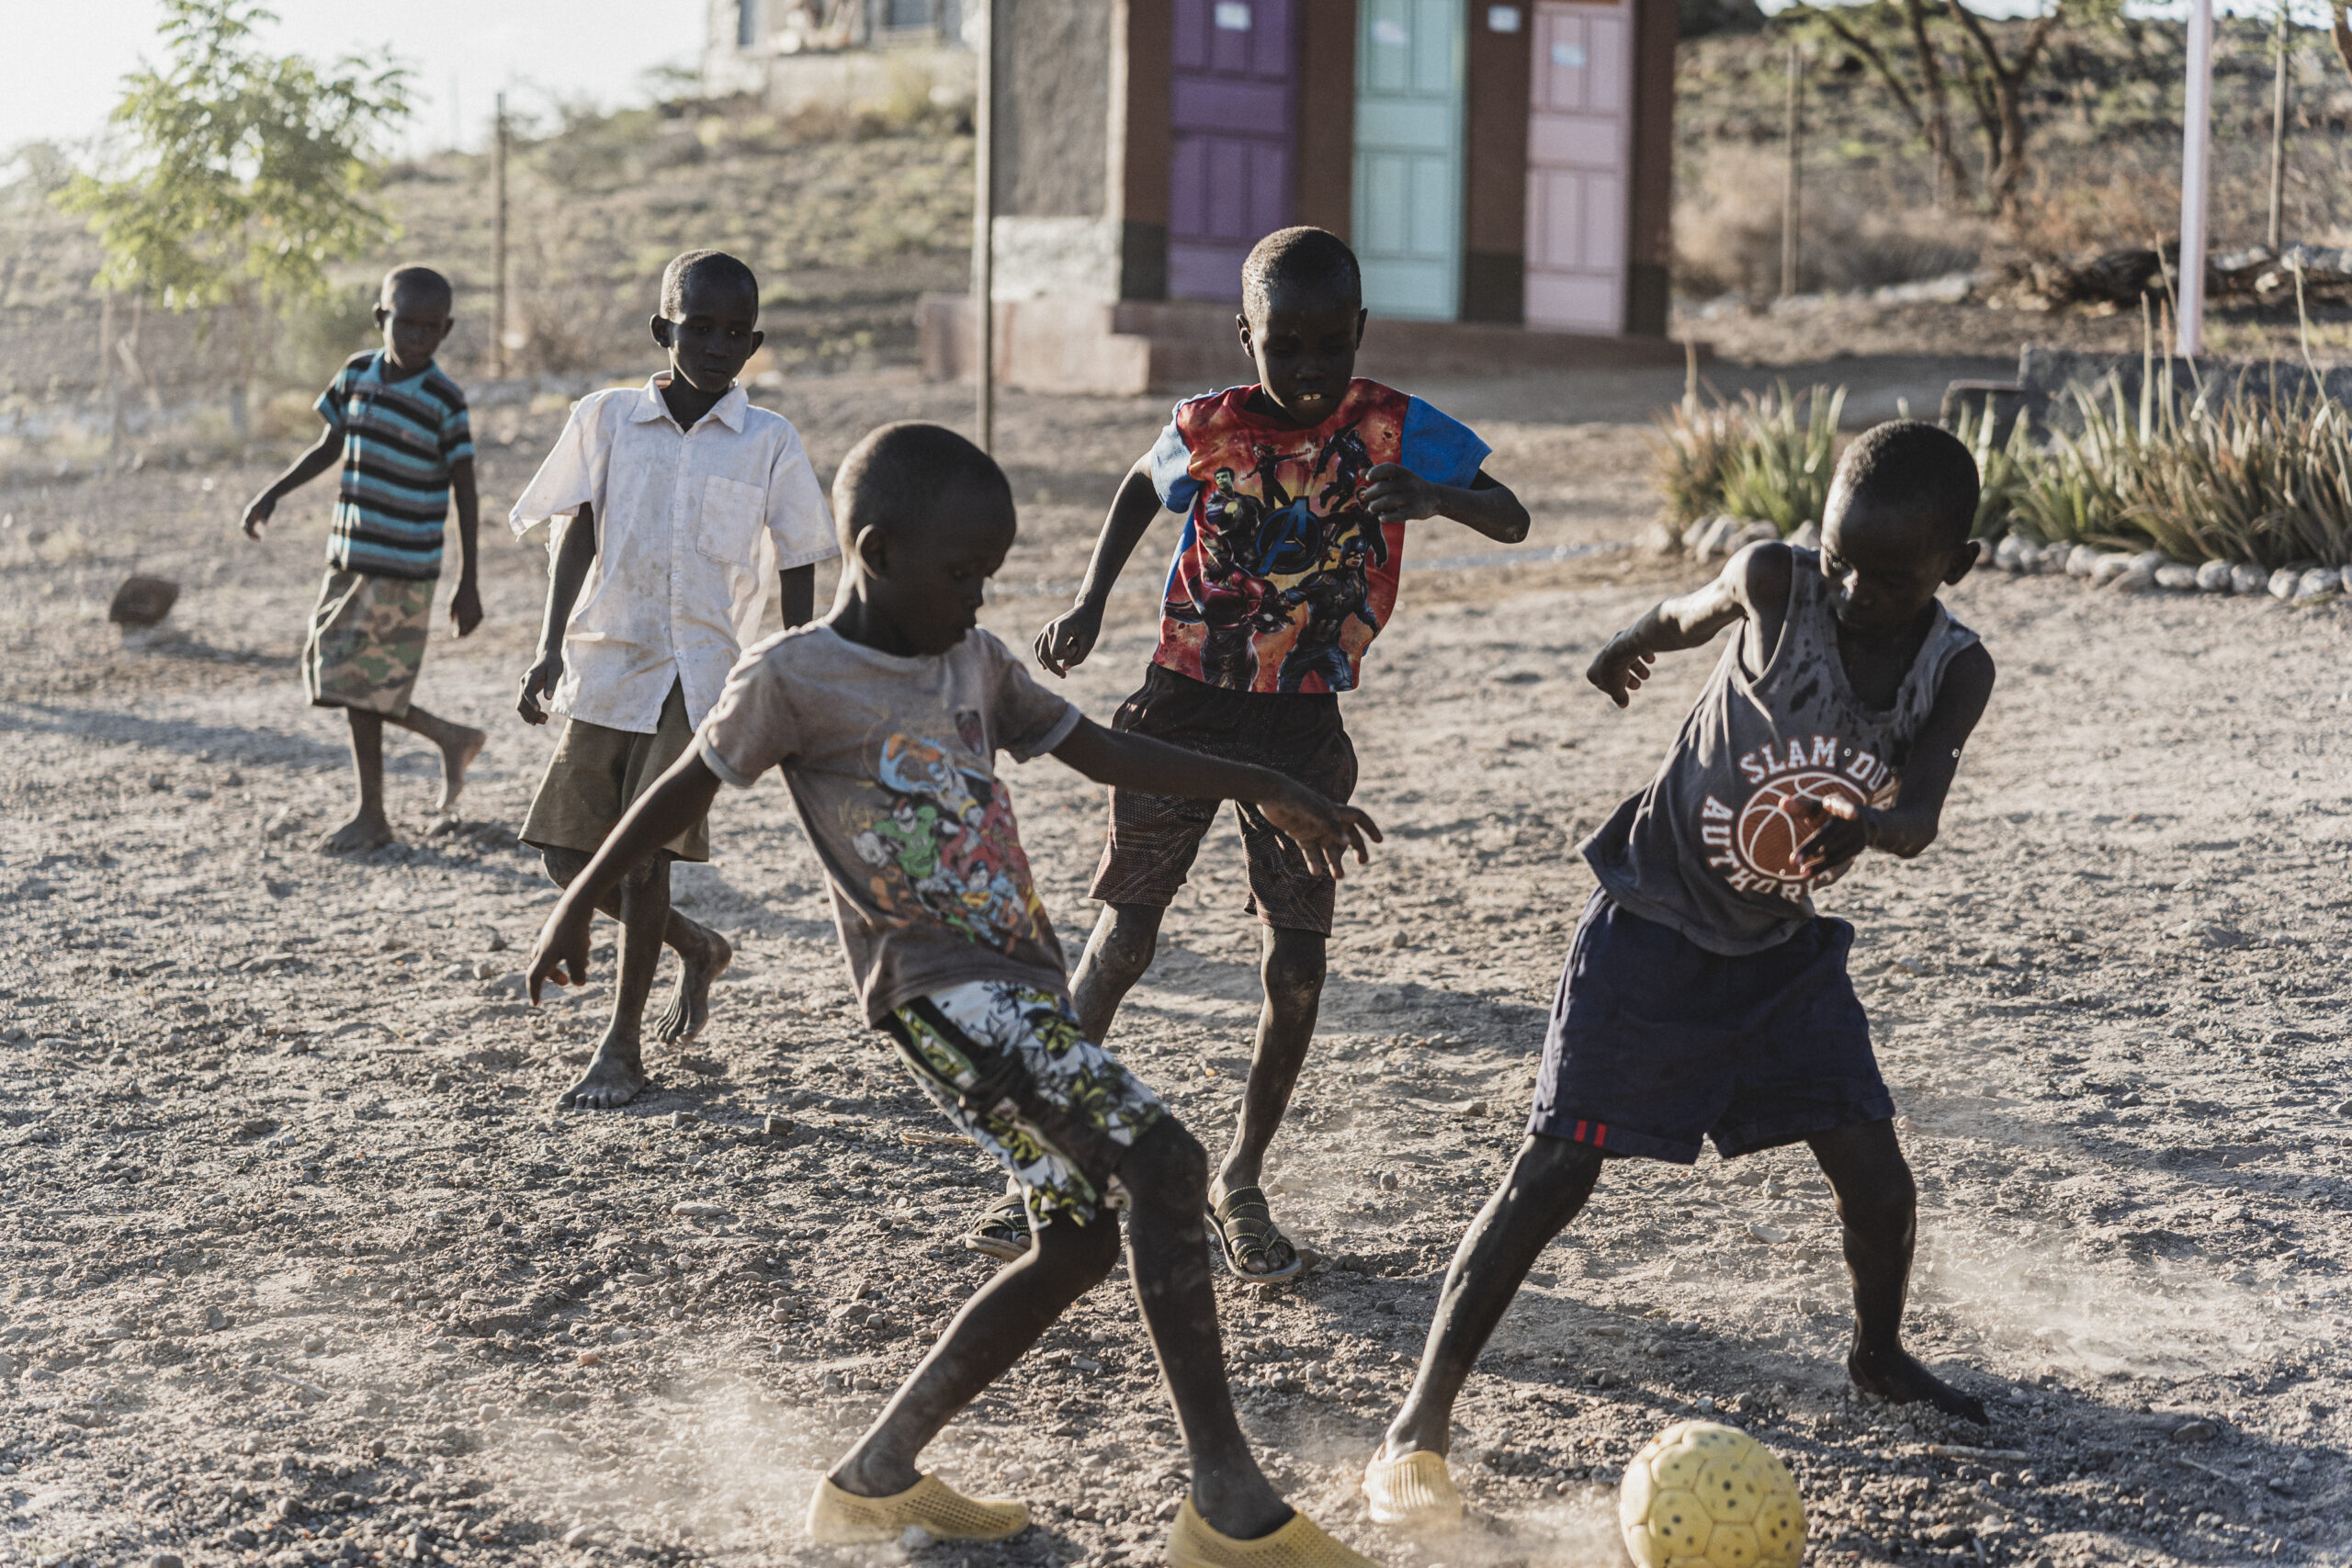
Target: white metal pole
<point>983,229</point>
<point>2195,132</point>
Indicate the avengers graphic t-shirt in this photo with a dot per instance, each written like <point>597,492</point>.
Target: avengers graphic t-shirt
<point>891,762</point>
<point>1282,578</point>
<point>1710,848</point>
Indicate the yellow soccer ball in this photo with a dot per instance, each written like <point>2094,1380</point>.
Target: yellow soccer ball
<point>1702,1492</point>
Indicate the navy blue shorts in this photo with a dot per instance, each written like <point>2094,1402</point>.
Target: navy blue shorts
<point>1657,1043</point>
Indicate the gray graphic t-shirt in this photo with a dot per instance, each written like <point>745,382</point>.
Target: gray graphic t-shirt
<point>1710,847</point>
<point>891,762</point>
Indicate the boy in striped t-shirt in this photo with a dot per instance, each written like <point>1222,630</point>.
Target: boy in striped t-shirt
<point>397,426</point>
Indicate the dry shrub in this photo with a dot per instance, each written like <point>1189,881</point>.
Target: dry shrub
<point>1766,457</point>
<point>1859,231</point>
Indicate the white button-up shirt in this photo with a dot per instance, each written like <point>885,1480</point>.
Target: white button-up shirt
<point>691,527</point>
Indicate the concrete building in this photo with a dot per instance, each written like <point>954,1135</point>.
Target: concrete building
<point>844,53</point>
<point>1503,171</point>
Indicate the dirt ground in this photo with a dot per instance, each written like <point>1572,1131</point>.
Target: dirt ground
<point>300,1265</point>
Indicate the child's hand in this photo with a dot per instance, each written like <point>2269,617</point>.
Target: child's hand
<point>560,956</point>
<point>538,681</point>
<point>1619,667</point>
<point>464,607</point>
<point>1845,832</point>
<point>1397,494</point>
<point>1323,832</point>
<point>1068,638</point>
<point>257,514</point>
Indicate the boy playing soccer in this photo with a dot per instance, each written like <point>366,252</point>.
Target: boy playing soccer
<point>885,720</point>
<point>1295,492</point>
<point>398,427</point>
<point>1702,995</point>
<point>682,499</point>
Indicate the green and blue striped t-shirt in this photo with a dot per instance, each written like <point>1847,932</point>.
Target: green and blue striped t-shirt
<point>400,440</point>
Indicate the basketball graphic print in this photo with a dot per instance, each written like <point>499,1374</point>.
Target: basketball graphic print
<point>1780,817</point>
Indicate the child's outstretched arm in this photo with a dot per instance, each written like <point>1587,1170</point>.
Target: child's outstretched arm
<point>1323,832</point>
<point>1069,637</point>
<point>465,604</point>
<point>575,550</point>
<point>678,800</point>
<point>306,467</point>
<point>1910,825</point>
<point>1690,620</point>
<point>1395,494</point>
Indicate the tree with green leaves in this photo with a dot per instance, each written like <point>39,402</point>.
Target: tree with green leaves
<point>237,177</point>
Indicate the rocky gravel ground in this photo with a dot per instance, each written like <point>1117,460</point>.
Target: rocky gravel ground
<point>301,1265</point>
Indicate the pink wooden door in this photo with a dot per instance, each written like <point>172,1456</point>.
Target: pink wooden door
<point>1579,148</point>
<point>1230,170</point>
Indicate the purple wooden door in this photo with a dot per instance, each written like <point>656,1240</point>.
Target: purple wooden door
<point>1230,181</point>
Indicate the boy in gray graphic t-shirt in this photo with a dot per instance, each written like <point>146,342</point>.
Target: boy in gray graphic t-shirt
<point>1702,997</point>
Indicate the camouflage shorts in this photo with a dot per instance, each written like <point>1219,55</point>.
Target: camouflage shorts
<point>1007,1064</point>
<point>366,640</point>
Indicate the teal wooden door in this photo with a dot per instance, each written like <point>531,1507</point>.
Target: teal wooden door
<point>1408,156</point>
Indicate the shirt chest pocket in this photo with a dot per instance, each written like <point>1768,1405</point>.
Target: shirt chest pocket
<point>728,529</point>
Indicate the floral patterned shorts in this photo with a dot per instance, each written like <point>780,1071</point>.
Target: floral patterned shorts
<point>1008,1067</point>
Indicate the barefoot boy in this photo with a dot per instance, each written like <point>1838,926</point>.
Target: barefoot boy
<point>398,427</point>
<point>885,719</point>
<point>1702,995</point>
<point>682,498</point>
<point>1295,492</point>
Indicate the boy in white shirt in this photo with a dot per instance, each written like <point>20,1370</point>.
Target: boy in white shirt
<point>676,500</point>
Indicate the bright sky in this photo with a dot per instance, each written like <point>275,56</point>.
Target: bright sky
<point>62,68</point>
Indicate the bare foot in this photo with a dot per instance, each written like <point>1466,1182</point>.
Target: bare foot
<point>1895,1376</point>
<point>363,834</point>
<point>457,756</point>
<point>689,1006</point>
<point>612,1080</point>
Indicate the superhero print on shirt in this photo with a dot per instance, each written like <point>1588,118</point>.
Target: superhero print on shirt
<point>1282,578</point>
<point>1753,845</point>
<point>947,851</point>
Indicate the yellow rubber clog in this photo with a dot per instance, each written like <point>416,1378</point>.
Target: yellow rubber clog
<point>1415,1493</point>
<point>842,1518</point>
<point>1298,1544</point>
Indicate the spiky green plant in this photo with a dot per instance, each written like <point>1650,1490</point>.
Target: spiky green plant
<point>1767,455</point>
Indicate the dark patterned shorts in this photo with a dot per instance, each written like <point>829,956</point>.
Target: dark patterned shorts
<point>1009,1066</point>
<point>1154,837</point>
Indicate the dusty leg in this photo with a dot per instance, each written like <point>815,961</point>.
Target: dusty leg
<point>703,954</point>
<point>369,829</point>
<point>618,1073</point>
<point>1546,1187</point>
<point>1000,1322</point>
<point>1879,1207</point>
<point>1166,1175</point>
<point>459,746</point>
<point>1120,948</point>
<point>1291,970</point>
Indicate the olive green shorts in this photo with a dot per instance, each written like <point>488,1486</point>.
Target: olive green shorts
<point>596,772</point>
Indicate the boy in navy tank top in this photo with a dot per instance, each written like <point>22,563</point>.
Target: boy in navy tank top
<point>1702,997</point>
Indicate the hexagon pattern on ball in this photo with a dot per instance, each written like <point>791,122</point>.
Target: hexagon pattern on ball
<point>1703,1494</point>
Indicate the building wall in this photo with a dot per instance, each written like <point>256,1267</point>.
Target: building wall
<point>1327,115</point>
<point>1657,25</point>
<point>1053,65</point>
<point>1494,229</point>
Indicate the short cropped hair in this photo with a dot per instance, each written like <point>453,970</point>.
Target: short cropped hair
<point>1912,466</point>
<point>1303,257</point>
<point>417,280</point>
<point>715,267</point>
<point>899,472</point>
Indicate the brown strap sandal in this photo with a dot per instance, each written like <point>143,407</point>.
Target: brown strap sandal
<point>1245,1229</point>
